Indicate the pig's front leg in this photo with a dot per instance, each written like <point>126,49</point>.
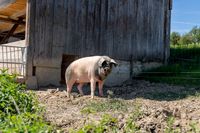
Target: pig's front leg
<point>101,88</point>
<point>92,86</point>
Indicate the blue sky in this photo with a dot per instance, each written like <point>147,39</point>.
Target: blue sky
<point>185,15</point>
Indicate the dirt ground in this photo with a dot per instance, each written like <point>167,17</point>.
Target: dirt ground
<point>157,103</point>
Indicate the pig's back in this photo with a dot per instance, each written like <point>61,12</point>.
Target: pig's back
<point>81,69</point>
<point>86,61</point>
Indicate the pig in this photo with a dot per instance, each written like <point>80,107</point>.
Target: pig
<point>89,70</point>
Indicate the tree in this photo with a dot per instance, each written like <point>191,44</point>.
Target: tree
<point>186,39</point>
<point>195,34</point>
<point>175,38</point>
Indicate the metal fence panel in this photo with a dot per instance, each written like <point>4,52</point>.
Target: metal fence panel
<point>13,58</point>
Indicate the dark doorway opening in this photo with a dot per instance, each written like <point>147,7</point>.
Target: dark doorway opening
<point>66,60</point>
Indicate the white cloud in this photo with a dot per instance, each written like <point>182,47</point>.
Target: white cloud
<point>181,31</point>
<point>186,13</point>
<point>186,23</point>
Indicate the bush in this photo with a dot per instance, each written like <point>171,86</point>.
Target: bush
<point>26,122</point>
<point>13,97</point>
<point>19,109</point>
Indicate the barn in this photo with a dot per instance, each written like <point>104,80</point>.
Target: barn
<point>134,32</point>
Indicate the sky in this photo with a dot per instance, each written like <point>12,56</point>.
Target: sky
<point>185,15</point>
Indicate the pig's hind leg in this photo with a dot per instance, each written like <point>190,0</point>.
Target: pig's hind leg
<point>80,88</point>
<point>69,87</point>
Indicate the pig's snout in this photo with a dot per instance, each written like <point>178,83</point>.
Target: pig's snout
<point>107,71</point>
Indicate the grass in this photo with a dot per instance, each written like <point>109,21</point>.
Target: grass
<point>107,105</point>
<point>107,124</point>
<point>194,127</point>
<point>170,122</point>
<point>183,68</point>
<point>110,124</point>
<point>170,128</point>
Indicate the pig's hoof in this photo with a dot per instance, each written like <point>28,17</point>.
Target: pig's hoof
<point>72,97</point>
<point>101,95</point>
<point>68,95</point>
<point>80,95</point>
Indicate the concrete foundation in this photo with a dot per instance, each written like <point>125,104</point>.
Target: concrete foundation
<point>119,74</point>
<point>123,71</point>
<point>48,76</point>
<point>31,82</point>
<point>52,76</point>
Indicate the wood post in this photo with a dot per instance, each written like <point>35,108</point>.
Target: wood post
<point>4,40</point>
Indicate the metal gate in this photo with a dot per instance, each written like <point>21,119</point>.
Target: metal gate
<point>13,59</point>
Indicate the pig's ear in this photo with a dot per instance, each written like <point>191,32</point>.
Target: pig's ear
<point>102,62</point>
<point>113,62</point>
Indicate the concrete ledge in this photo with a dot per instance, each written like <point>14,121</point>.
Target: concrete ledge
<point>138,67</point>
<point>121,73</point>
<point>48,76</point>
<point>31,82</point>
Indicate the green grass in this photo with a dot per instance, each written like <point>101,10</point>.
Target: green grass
<point>107,124</point>
<point>194,127</point>
<point>110,124</point>
<point>107,105</point>
<point>183,68</point>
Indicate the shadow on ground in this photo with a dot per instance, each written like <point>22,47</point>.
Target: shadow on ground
<point>139,89</point>
<point>154,91</point>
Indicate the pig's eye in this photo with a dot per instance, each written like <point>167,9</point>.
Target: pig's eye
<point>104,64</point>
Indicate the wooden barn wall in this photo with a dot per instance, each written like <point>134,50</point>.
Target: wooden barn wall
<point>118,28</point>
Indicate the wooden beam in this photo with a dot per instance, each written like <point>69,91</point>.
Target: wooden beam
<point>170,4</point>
<point>12,21</point>
<point>4,40</point>
<point>21,13</point>
<point>6,3</point>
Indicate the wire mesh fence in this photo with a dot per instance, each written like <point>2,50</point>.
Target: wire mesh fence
<point>13,58</point>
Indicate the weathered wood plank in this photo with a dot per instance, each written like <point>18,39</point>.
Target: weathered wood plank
<point>103,25</point>
<point>59,30</point>
<point>97,27</point>
<point>49,26</point>
<point>70,46</point>
<point>40,23</point>
<point>80,29</point>
<point>167,20</point>
<point>150,29</point>
<point>133,24</point>
<point>30,36</point>
<point>111,27</point>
